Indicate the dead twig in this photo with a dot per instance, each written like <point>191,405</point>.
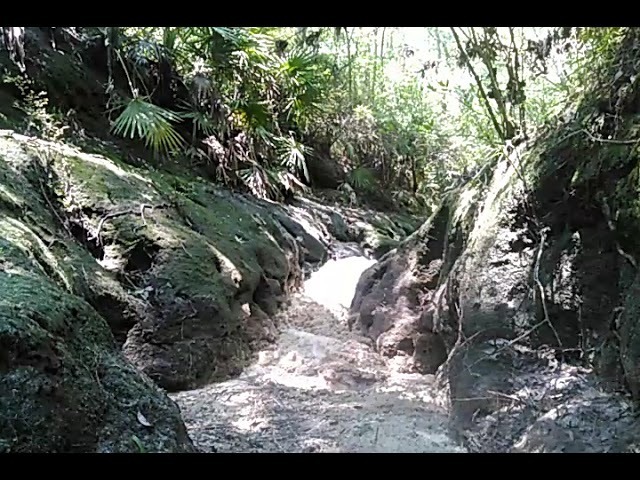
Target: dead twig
<point>185,249</point>
<point>54,209</point>
<point>596,139</point>
<point>493,395</point>
<point>606,140</point>
<point>507,150</point>
<point>509,397</point>
<point>121,213</point>
<point>536,275</point>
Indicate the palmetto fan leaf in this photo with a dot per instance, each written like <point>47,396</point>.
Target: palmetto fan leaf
<point>224,45</point>
<point>361,178</point>
<point>303,76</point>
<point>202,122</point>
<point>299,60</point>
<point>150,123</point>
<point>292,155</point>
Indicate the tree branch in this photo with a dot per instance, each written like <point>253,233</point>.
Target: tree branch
<point>483,93</point>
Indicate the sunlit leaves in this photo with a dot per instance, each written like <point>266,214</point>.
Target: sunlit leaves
<point>292,156</point>
<point>153,124</point>
<point>304,76</point>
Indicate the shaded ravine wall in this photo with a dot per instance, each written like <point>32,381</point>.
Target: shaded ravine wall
<point>532,265</point>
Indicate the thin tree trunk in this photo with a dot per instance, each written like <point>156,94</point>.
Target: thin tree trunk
<point>483,93</point>
<point>498,96</point>
<point>355,55</point>
<point>349,62</point>
<point>374,66</point>
<point>518,77</point>
<point>373,86</point>
<point>438,43</point>
<point>381,56</point>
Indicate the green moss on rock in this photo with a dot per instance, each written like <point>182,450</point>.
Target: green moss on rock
<point>64,386</point>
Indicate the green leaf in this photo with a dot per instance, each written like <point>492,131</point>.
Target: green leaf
<point>138,443</point>
<point>151,123</point>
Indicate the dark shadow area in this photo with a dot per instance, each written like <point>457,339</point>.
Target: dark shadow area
<point>140,259</point>
<point>84,238</point>
<point>543,406</point>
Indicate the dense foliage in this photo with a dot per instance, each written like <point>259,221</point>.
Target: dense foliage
<point>405,111</point>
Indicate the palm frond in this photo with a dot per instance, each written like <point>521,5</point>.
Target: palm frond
<point>361,178</point>
<point>258,181</point>
<point>288,180</point>
<point>264,135</point>
<point>257,113</point>
<point>170,36</point>
<point>304,77</point>
<point>292,155</point>
<point>202,122</point>
<point>151,123</point>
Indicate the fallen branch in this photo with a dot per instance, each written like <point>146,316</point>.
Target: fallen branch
<point>607,213</point>
<point>121,213</point>
<point>536,272</point>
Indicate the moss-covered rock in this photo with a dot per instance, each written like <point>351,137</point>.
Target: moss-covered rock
<point>172,263</point>
<point>186,259</point>
<point>98,257</point>
<point>64,385</point>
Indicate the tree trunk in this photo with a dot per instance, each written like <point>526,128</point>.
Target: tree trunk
<point>483,93</point>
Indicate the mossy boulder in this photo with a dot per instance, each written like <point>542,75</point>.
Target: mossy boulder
<point>188,260</point>
<point>64,384</point>
<point>117,278</point>
<point>185,274</point>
